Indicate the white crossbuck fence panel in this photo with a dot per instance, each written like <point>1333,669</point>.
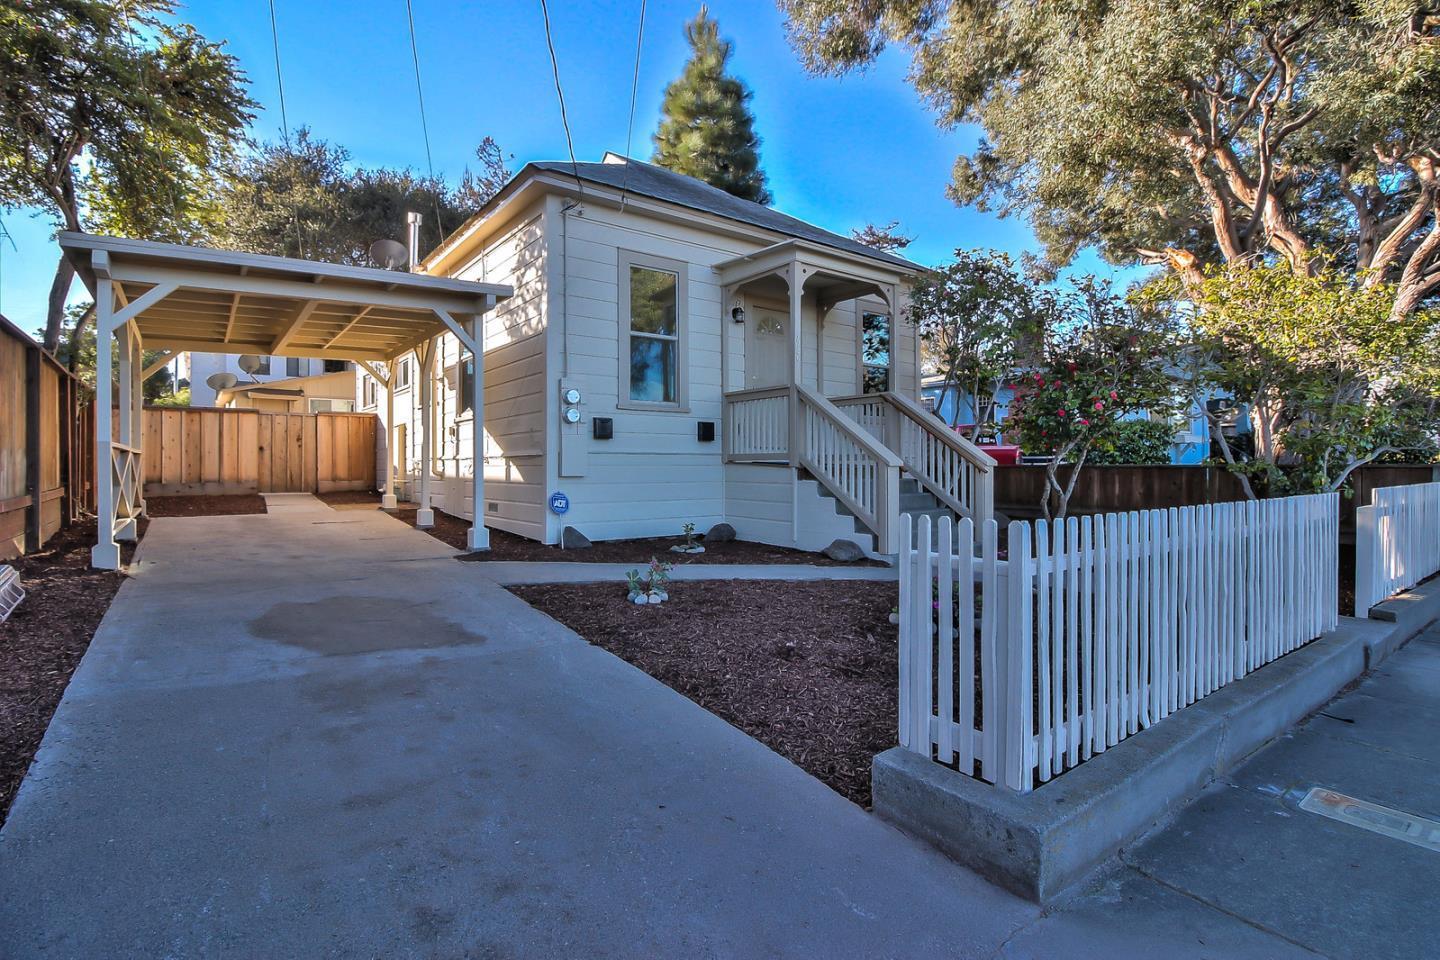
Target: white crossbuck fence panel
<point>1015,670</point>
<point>1397,542</point>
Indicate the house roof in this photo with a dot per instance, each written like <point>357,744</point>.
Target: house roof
<point>657,183</point>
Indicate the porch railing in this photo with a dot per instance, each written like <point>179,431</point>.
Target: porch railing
<point>757,425</point>
<point>952,469</point>
<point>796,425</point>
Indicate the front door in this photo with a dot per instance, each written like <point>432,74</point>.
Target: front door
<point>767,354</point>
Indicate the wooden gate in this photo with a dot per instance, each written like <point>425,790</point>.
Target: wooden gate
<point>247,451</point>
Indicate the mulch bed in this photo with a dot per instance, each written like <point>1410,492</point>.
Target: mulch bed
<point>509,546</point>
<point>42,642</point>
<point>807,668</point>
<point>204,505</point>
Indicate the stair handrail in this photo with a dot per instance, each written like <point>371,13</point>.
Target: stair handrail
<point>865,476</point>
<point>980,505</point>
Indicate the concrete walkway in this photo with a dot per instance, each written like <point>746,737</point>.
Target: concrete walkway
<point>517,572</point>
<point>314,734</point>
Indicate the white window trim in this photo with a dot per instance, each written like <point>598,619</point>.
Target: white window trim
<point>404,363</point>
<point>631,258</point>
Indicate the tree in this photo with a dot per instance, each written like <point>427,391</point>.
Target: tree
<point>979,320</point>
<point>147,107</point>
<point>1331,380</point>
<point>77,353</point>
<point>706,129</point>
<point>886,238</point>
<point>304,199</point>
<point>1109,359</point>
<point>1184,132</point>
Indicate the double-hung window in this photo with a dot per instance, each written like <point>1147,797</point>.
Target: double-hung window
<point>465,381</point>
<point>402,374</point>
<point>652,331</point>
<point>874,352</point>
<point>369,392</point>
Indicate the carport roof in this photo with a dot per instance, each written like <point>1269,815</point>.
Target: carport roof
<point>221,301</point>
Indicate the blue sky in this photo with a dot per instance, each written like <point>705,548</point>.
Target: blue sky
<point>838,151</point>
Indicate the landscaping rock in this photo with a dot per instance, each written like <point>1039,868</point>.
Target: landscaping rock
<point>572,539</point>
<point>844,551</point>
<point>720,533</point>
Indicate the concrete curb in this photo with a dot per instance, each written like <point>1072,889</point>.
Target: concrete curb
<point>1041,844</point>
<point>508,572</point>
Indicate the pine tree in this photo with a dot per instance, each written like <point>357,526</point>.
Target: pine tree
<point>706,128</point>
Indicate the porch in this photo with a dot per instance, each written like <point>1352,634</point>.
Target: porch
<point>791,400</point>
<point>172,298</point>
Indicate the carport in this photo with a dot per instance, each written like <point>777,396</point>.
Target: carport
<point>175,298</point>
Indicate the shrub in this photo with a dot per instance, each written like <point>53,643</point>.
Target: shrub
<point>1135,442</point>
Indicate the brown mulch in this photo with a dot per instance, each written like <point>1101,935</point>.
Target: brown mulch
<point>42,642</point>
<point>509,546</point>
<point>807,668</point>
<point>204,505</point>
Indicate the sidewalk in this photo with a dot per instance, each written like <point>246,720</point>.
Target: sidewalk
<point>1245,855</point>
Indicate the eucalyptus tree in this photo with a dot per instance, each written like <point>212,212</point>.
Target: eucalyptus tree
<point>115,117</point>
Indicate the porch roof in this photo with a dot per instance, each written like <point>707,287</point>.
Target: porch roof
<point>221,301</point>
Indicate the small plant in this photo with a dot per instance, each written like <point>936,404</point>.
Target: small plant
<point>690,545</point>
<point>652,586</point>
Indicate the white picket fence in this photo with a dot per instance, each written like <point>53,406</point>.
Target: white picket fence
<point>1015,670</point>
<point>1397,542</point>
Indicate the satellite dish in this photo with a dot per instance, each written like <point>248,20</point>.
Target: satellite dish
<point>221,381</point>
<point>248,363</point>
<point>390,254</point>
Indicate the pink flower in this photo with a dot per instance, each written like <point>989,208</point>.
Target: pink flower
<point>1114,395</point>
<point>1099,405</point>
<point>1084,422</point>
<point>1039,379</point>
<point>1060,412</point>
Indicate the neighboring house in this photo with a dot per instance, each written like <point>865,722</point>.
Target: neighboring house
<point>319,393</point>
<point>663,339</point>
<point>1191,444</point>
<point>201,366</point>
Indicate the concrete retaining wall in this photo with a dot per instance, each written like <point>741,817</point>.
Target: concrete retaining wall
<point>1042,843</point>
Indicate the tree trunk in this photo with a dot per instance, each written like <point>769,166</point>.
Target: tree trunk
<point>55,310</point>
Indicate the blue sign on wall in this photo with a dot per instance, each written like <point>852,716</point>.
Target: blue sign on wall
<point>559,503</point>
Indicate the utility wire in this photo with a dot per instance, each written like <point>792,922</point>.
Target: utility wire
<point>285,128</point>
<point>424,126</point>
<point>560,94</point>
<point>634,87</point>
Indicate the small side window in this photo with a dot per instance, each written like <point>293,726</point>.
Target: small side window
<point>466,388</point>
<point>875,352</point>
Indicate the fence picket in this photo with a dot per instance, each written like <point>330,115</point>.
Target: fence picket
<point>945,639</point>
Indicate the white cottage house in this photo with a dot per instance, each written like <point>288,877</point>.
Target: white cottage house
<point>674,354</point>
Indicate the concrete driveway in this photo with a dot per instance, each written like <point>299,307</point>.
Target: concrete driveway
<point>313,734</point>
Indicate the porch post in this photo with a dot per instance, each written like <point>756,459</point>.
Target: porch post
<point>425,517</point>
<point>797,335</point>
<point>105,555</point>
<point>387,499</point>
<point>129,377</point>
<point>479,538</point>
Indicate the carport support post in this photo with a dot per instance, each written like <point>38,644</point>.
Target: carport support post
<point>387,499</point>
<point>125,413</point>
<point>105,555</point>
<point>425,517</point>
<point>479,536</point>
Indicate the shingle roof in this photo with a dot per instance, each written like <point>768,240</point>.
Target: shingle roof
<point>658,183</point>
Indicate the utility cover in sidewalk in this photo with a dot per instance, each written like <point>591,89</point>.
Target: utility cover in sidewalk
<point>1373,817</point>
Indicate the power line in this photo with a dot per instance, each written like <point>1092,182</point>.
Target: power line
<point>634,87</point>
<point>424,126</point>
<point>560,93</point>
<point>285,129</point>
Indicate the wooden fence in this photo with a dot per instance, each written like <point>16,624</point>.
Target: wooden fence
<point>1397,542</point>
<point>212,451</point>
<point>1097,627</point>
<point>1117,489</point>
<point>46,470</point>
